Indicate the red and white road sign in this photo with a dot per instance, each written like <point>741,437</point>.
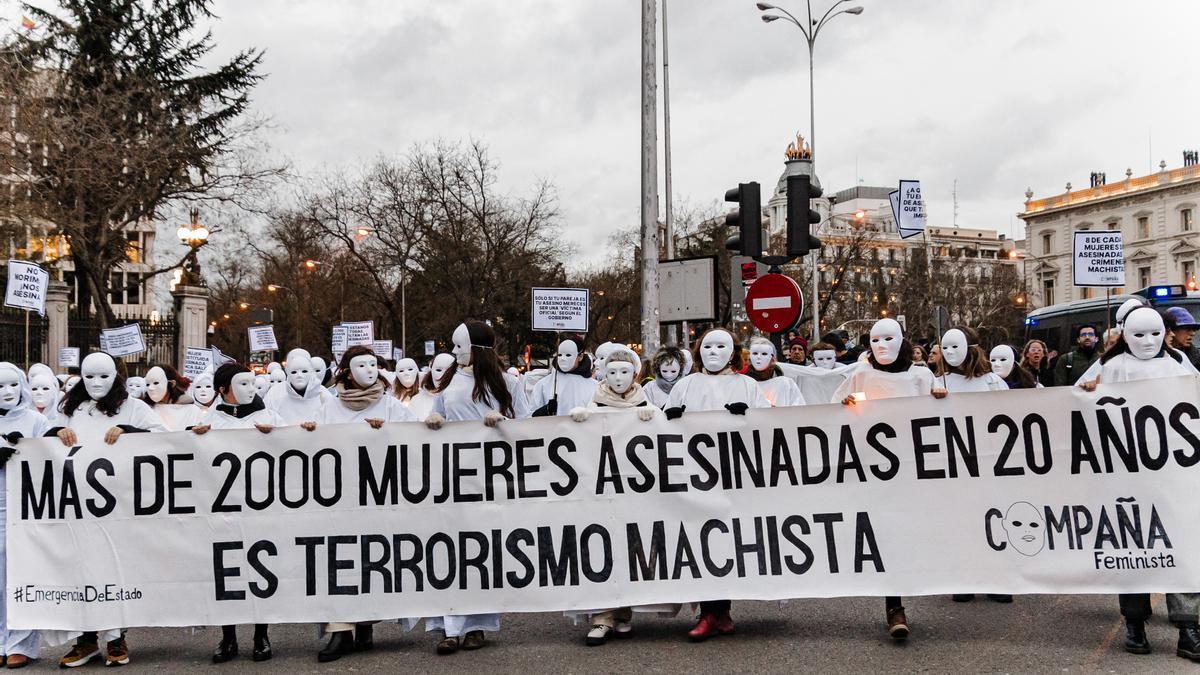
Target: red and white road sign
<point>773,303</point>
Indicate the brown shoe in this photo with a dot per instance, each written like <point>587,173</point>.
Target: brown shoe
<point>447,646</point>
<point>897,624</point>
<point>118,653</point>
<point>16,661</point>
<point>81,653</point>
<point>474,640</point>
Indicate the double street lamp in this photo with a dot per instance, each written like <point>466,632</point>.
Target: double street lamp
<point>811,29</point>
<point>194,235</point>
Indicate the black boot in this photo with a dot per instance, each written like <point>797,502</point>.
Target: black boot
<point>997,597</point>
<point>227,650</point>
<point>262,644</point>
<point>340,644</point>
<point>1189,642</point>
<point>963,597</point>
<point>1135,637</point>
<point>363,637</point>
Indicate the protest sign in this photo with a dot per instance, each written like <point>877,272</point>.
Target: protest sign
<point>219,359</point>
<point>1038,491</point>
<point>68,357</point>
<point>196,360</point>
<point>397,354</point>
<point>382,348</point>
<point>27,284</point>
<point>430,348</point>
<point>909,208</point>
<point>262,338</point>
<point>359,333</point>
<point>560,309</point>
<point>122,341</point>
<point>1098,258</point>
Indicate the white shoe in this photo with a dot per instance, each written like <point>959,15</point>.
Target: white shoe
<point>598,635</point>
<point>624,629</point>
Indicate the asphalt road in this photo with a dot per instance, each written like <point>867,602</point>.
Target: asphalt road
<point>1035,634</point>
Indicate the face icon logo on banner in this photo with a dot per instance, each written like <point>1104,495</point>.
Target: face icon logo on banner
<point>1025,528</point>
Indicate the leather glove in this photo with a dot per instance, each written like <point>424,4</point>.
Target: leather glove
<point>737,408</point>
<point>675,413</point>
<point>13,436</point>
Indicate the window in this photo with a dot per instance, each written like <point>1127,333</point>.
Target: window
<point>1189,270</point>
<point>1085,293</point>
<point>1047,291</point>
<point>1114,226</point>
<point>133,294</point>
<point>1143,277</point>
<point>1143,227</point>
<point>1047,243</point>
<point>1185,220</point>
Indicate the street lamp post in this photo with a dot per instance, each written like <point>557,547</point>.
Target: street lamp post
<point>810,29</point>
<point>194,235</point>
<point>275,288</point>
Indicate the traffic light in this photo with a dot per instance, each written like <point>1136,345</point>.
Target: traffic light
<point>801,215</point>
<point>747,218</point>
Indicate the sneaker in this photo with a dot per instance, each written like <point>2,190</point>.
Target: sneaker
<point>598,635</point>
<point>897,624</point>
<point>118,653</point>
<point>80,655</point>
<point>624,629</point>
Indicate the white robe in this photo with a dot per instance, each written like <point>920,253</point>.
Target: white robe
<point>876,384</point>
<point>574,391</point>
<point>90,425</point>
<point>1126,367</point>
<point>388,408</point>
<point>456,405</point>
<point>816,384</point>
<point>175,416</point>
<point>656,394</point>
<point>422,404</point>
<point>955,383</point>
<point>30,424</point>
<point>219,419</point>
<point>702,391</point>
<point>294,408</point>
<point>781,392</point>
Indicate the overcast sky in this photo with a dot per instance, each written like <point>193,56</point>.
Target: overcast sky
<point>998,95</point>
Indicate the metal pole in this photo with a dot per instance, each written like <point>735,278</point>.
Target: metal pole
<point>403,313</point>
<point>26,340</point>
<point>649,181</point>
<point>812,146</point>
<point>669,229</point>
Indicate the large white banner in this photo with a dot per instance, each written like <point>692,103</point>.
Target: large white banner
<point>1047,491</point>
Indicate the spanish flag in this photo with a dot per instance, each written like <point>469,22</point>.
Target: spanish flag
<point>27,23</point>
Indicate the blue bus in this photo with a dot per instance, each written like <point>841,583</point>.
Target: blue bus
<point>1056,325</point>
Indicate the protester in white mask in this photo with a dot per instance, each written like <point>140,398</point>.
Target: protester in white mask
<point>1004,364</point>
<point>408,381</point>
<point>262,384</point>
<point>602,353</point>
<point>618,392</point>
<point>70,383</point>
<point>1143,355</point>
<point>203,391</point>
<point>45,393</point>
<point>824,356</point>
<point>569,384</point>
<point>18,420</point>
<point>275,373</point>
<point>136,386</point>
<point>964,366</point>
<point>717,385</point>
<point>98,408</point>
<point>479,390</point>
<point>888,372</point>
<point>669,368</point>
<point>441,370</point>
<point>780,391</point>
<point>300,398</point>
<point>239,407</point>
<point>165,395</point>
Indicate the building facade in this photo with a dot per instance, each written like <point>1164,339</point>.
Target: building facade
<point>1156,215</point>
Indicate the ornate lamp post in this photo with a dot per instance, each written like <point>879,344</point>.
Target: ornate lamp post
<point>194,235</point>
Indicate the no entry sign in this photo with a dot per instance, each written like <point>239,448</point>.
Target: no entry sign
<point>773,303</point>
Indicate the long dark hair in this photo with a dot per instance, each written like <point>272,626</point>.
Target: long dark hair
<point>490,385</point>
<point>345,377</point>
<point>174,380</point>
<point>110,405</point>
<point>1020,376</point>
<point>976,363</point>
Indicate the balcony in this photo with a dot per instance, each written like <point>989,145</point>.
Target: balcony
<point>1126,186</point>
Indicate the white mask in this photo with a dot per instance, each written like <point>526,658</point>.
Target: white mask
<point>1002,357</point>
<point>461,348</point>
<point>602,353</point>
<point>43,389</point>
<point>514,372</point>
<point>1143,333</point>
<point>244,387</point>
<point>202,389</point>
<point>827,358</point>
<point>669,370</point>
<point>276,376</point>
<point>273,366</point>
<point>299,371</point>
<point>71,382</point>
<point>886,339</point>
<point>619,376</point>
<point>136,386</point>
<point>568,356</point>
<point>262,384</point>
<point>761,355</point>
<point>10,387</point>
<point>39,368</point>
<point>1127,307</point>
<point>716,350</point>
<point>364,370</point>
<point>954,347</point>
<point>441,363</point>
<point>319,367</point>
<point>407,372</point>
<point>156,384</point>
<point>99,371</point>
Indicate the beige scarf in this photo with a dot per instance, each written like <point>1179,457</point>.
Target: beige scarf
<point>606,397</point>
<point>360,399</point>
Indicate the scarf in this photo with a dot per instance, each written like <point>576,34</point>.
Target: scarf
<point>360,399</point>
<point>666,387</point>
<point>240,411</point>
<point>608,398</point>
